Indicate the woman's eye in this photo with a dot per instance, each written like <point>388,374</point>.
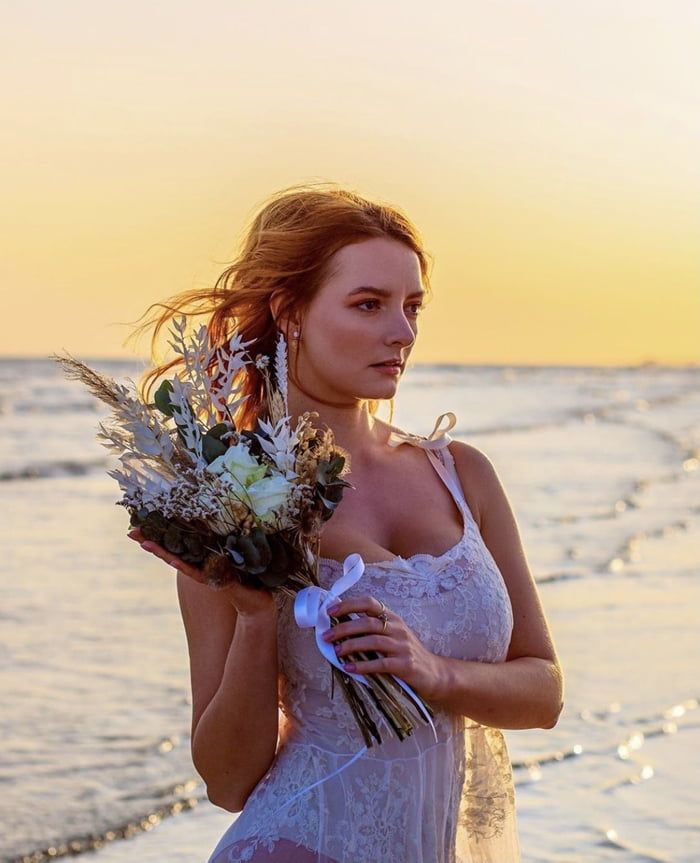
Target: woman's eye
<point>418,306</point>
<point>364,302</point>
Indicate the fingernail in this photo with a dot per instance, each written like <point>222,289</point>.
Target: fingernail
<point>333,609</point>
<point>147,545</point>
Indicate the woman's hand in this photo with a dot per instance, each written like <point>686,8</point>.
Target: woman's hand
<point>404,655</point>
<point>248,601</point>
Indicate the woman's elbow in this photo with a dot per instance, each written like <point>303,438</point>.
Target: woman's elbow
<point>551,723</point>
<point>224,799</point>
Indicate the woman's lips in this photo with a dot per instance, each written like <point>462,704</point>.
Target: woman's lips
<point>388,369</point>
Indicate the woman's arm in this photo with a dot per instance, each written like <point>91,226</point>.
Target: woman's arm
<point>520,693</point>
<point>233,670</point>
<point>525,691</point>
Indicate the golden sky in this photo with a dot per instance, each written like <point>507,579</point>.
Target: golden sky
<point>547,152</point>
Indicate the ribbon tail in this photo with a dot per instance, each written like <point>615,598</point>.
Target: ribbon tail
<point>418,701</point>
<point>323,779</point>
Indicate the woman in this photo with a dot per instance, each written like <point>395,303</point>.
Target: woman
<point>446,597</point>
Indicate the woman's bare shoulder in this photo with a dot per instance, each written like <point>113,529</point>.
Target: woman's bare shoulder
<point>388,427</point>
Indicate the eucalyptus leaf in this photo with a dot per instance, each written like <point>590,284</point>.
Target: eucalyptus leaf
<point>138,516</point>
<point>212,447</point>
<point>194,551</point>
<point>329,504</point>
<point>162,398</point>
<point>251,555</point>
<point>236,556</point>
<point>221,429</point>
<point>152,532</point>
<point>279,568</point>
<point>173,541</point>
<point>251,437</point>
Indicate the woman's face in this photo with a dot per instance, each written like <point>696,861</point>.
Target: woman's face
<point>364,314</point>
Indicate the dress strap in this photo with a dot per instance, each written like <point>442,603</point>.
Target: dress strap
<point>438,439</point>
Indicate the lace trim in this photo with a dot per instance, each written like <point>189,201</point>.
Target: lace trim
<point>422,574</point>
<point>419,556</point>
<point>423,565</point>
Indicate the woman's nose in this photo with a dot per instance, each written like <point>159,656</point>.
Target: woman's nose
<point>403,332</point>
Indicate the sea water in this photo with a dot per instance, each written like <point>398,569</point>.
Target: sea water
<point>601,466</point>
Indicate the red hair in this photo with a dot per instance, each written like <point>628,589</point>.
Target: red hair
<point>287,252</point>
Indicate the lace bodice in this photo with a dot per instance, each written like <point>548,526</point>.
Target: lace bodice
<point>411,801</point>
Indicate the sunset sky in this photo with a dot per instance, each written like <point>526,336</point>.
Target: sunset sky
<point>547,152</point>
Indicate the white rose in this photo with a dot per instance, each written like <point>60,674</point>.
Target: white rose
<point>239,464</point>
<point>267,494</point>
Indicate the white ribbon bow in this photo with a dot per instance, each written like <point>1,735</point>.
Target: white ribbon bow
<point>437,439</point>
<point>312,603</point>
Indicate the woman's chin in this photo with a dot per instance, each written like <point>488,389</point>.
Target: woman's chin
<point>382,390</point>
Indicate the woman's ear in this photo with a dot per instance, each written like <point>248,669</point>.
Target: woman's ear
<point>275,301</point>
<point>282,321</point>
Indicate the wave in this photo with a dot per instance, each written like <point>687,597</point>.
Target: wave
<point>52,469</point>
<point>93,841</point>
<point>55,407</point>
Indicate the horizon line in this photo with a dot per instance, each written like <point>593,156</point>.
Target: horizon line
<point>690,364</point>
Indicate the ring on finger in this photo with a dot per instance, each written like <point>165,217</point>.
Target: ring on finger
<point>383,616</point>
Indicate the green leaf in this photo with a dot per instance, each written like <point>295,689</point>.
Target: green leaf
<point>329,504</point>
<point>220,429</point>
<point>212,447</point>
<point>172,540</point>
<point>251,555</point>
<point>162,398</point>
<point>277,573</point>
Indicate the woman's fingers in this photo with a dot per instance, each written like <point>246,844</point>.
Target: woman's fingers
<point>363,604</point>
<point>367,624</point>
<point>381,643</point>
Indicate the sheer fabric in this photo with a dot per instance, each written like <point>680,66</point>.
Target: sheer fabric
<point>410,801</point>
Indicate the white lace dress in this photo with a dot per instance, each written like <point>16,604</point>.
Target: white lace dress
<point>410,801</point>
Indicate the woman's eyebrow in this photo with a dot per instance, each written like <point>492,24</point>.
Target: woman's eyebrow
<point>381,291</point>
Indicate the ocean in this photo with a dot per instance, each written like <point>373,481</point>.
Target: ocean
<point>602,467</point>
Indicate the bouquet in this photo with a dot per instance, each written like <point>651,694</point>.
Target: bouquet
<point>242,505</point>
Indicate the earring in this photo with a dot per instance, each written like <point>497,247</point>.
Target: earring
<point>296,334</point>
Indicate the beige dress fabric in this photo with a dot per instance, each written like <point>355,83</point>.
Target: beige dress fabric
<point>410,801</point>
